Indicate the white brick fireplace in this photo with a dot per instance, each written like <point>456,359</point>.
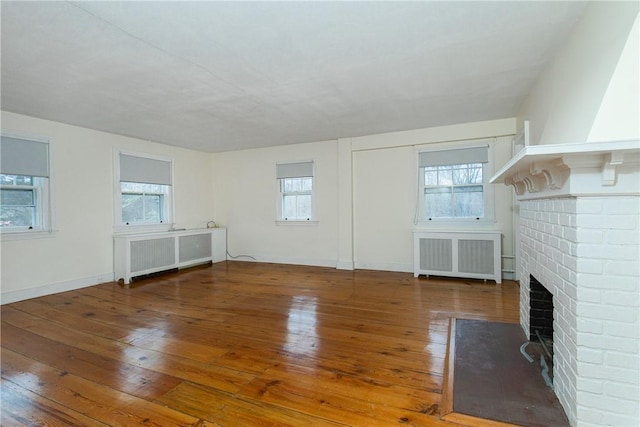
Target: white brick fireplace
<point>579,219</point>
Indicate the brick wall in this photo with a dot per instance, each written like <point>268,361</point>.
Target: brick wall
<point>585,251</point>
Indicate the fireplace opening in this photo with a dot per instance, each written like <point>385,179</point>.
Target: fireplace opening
<point>541,325</point>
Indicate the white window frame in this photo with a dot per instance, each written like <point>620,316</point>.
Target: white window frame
<point>121,226</point>
<point>487,188</point>
<point>280,219</point>
<point>43,195</point>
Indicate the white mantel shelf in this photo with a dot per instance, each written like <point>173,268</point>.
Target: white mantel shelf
<point>555,170</point>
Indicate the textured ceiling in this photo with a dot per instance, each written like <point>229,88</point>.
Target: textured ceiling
<point>218,76</point>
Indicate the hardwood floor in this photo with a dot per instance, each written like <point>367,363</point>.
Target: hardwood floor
<point>240,344</point>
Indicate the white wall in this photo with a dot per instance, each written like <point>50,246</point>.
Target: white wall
<point>566,100</point>
<point>618,117</point>
<point>246,195</point>
<point>385,178</point>
<point>385,185</point>
<point>80,252</point>
<point>366,193</point>
<point>366,198</point>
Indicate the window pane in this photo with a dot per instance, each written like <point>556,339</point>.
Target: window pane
<point>152,206</point>
<point>17,197</point>
<point>143,202</point>
<point>132,208</point>
<point>17,216</point>
<point>468,189</point>
<point>430,176</point>
<point>435,190</point>
<point>307,184</point>
<point>438,204</point>
<point>296,198</point>
<point>15,180</point>
<point>461,174</point>
<point>469,201</point>
<point>137,187</point>
<point>476,175</point>
<point>296,185</point>
<point>296,206</point>
<point>304,206</point>
<point>453,191</point>
<point>466,174</point>
<point>473,174</point>
<point>289,206</point>
<point>444,175</point>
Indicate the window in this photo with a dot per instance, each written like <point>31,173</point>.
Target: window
<point>295,191</point>
<point>143,202</point>
<point>143,190</point>
<point>454,185</point>
<point>24,185</point>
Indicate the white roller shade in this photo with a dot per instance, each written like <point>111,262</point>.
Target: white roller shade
<point>294,170</point>
<point>144,170</point>
<point>24,157</point>
<point>457,156</point>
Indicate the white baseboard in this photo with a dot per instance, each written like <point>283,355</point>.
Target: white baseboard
<point>345,265</point>
<point>340,265</point>
<point>70,285</point>
<point>39,291</point>
<point>287,260</point>
<point>385,266</point>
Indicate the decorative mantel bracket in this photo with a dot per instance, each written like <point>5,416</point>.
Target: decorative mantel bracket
<point>612,160</point>
<point>572,169</point>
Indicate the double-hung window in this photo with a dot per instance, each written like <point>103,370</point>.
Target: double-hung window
<point>453,185</point>
<point>296,197</point>
<point>144,190</point>
<point>24,185</point>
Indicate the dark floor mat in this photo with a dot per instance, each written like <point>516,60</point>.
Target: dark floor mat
<point>493,380</point>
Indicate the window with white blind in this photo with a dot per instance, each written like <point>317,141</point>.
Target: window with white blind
<point>24,185</point>
<point>143,191</point>
<point>296,192</point>
<point>454,185</point>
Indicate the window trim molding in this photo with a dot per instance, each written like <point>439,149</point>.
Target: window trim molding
<point>47,216</point>
<point>121,228</point>
<point>297,222</point>
<point>489,217</point>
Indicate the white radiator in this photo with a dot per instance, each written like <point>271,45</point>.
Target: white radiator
<point>467,254</point>
<point>140,254</point>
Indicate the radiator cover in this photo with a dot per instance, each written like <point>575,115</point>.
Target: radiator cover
<point>140,254</point>
<point>465,254</point>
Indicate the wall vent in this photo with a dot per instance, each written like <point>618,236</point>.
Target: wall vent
<point>152,254</point>
<point>141,254</point>
<point>196,246</point>
<point>475,255</point>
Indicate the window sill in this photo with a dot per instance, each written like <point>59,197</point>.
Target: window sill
<point>457,223</point>
<point>297,222</point>
<point>6,235</point>
<point>149,228</point>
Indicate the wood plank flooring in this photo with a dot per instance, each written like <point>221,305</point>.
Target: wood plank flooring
<point>240,344</point>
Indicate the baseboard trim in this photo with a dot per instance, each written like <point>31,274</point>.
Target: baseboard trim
<point>54,288</point>
<point>70,285</point>
<point>345,265</point>
<point>401,268</point>
<point>287,260</point>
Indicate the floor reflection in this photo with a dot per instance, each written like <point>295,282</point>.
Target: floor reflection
<point>302,336</point>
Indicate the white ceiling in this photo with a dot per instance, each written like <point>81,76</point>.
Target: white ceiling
<point>218,76</point>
